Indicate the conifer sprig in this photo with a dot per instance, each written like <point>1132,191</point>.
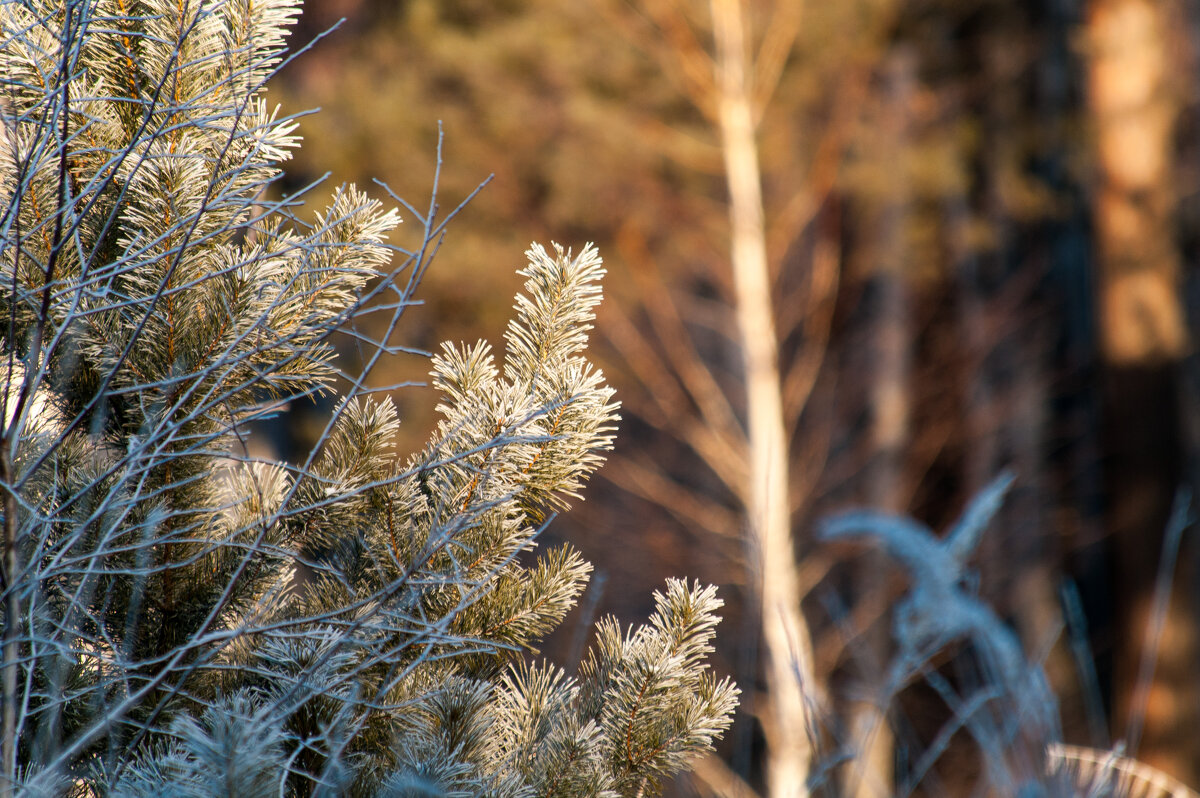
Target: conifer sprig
<point>357,624</point>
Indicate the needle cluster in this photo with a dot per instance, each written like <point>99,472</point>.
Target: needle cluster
<point>181,618</point>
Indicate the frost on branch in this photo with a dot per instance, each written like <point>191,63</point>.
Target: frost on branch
<point>358,623</point>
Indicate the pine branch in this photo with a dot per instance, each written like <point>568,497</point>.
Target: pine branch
<point>354,624</point>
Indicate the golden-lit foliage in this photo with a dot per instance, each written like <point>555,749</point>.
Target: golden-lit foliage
<point>928,182</point>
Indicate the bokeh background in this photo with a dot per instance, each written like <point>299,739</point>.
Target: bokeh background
<point>982,221</point>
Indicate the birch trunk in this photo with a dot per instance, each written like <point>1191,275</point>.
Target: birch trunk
<point>786,640</point>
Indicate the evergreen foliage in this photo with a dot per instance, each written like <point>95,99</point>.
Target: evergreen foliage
<point>181,619</point>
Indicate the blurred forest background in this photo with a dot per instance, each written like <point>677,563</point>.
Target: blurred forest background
<point>981,223</point>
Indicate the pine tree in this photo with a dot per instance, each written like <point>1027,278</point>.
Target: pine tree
<point>182,619</point>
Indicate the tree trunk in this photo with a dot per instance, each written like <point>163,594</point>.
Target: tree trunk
<point>1142,337</point>
<point>890,374</point>
<point>786,722</point>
